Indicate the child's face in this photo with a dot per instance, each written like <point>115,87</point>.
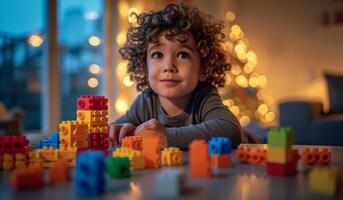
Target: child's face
<point>173,67</point>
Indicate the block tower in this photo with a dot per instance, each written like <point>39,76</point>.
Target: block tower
<point>220,151</point>
<point>13,152</point>
<point>199,159</point>
<point>281,158</point>
<point>93,111</point>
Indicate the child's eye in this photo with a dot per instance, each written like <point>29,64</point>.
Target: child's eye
<point>183,55</point>
<point>156,55</point>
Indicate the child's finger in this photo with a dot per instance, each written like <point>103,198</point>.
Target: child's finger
<point>127,129</point>
<point>114,133</point>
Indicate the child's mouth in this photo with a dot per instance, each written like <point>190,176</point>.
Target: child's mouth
<point>170,82</point>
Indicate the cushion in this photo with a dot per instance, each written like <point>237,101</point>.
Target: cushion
<point>335,89</point>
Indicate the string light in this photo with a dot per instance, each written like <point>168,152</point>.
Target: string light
<point>35,40</point>
<point>94,40</point>
<point>270,116</point>
<point>93,82</point>
<point>121,38</point>
<point>121,106</point>
<point>121,69</point>
<point>244,120</point>
<point>234,110</point>
<point>236,70</point>
<point>91,15</point>
<point>127,81</point>
<point>241,81</point>
<point>230,16</point>
<point>94,69</point>
<point>263,109</point>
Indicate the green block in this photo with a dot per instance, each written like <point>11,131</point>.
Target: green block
<point>118,167</point>
<point>280,137</point>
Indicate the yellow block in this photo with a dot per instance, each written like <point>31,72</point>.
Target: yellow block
<point>279,154</point>
<point>172,156</point>
<point>73,134</point>
<point>135,156</point>
<point>94,116</point>
<point>323,180</point>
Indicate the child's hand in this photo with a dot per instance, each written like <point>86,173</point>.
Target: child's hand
<point>154,125</point>
<point>119,131</point>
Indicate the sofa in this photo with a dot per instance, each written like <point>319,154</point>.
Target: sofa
<point>311,125</point>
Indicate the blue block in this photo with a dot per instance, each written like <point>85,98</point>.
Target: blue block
<point>52,141</point>
<point>220,145</point>
<point>90,173</point>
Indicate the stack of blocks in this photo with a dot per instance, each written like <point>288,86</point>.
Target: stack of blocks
<point>13,152</point>
<point>199,159</point>
<point>93,111</point>
<point>46,156</point>
<point>73,134</point>
<point>52,141</point>
<point>244,154</point>
<point>151,150</point>
<point>136,158</point>
<point>220,150</point>
<point>282,160</point>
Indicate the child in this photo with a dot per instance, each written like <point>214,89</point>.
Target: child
<point>176,59</point>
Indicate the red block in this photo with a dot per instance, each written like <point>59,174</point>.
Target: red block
<point>27,178</point>
<point>92,103</point>
<point>98,140</point>
<point>13,144</point>
<point>286,169</point>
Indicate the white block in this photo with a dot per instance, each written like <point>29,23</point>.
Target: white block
<point>169,183</point>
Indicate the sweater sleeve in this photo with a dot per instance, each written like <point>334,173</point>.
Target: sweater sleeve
<point>216,120</point>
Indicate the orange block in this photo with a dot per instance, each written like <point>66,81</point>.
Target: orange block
<point>151,150</point>
<point>243,154</point>
<point>221,160</point>
<point>199,159</point>
<point>134,142</point>
<point>59,172</point>
<point>27,178</point>
<point>316,156</point>
<point>259,156</point>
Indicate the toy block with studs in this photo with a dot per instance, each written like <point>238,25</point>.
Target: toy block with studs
<point>221,160</point>
<point>51,141</point>
<point>98,141</point>
<point>170,183</point>
<point>59,172</point>
<point>134,142</point>
<point>151,150</point>
<point>220,145</point>
<point>136,158</point>
<point>199,159</point>
<point>324,180</point>
<point>258,156</point>
<point>316,156</point>
<point>280,137</point>
<point>73,134</point>
<point>172,156</point>
<point>92,103</point>
<point>27,178</point>
<point>279,154</point>
<point>243,154</point>
<point>98,128</point>
<point>13,144</point>
<point>89,175</point>
<point>118,167</point>
<point>92,116</point>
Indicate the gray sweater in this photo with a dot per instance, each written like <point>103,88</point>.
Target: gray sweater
<point>204,117</point>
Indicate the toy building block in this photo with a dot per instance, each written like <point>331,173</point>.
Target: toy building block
<point>221,160</point>
<point>89,177</point>
<point>98,141</point>
<point>118,167</point>
<point>151,150</point>
<point>316,156</point>
<point>27,178</point>
<point>98,128</point>
<point>280,137</point>
<point>199,159</point>
<point>92,116</point>
<point>73,134</point>
<point>279,154</point>
<point>243,154</point>
<point>172,156</point>
<point>324,180</point>
<point>220,145</point>
<point>282,169</point>
<point>169,183</point>
<point>137,160</point>
<point>13,144</point>
<point>134,142</point>
<point>52,141</point>
<point>92,103</point>
<point>7,161</point>
<point>59,172</point>
<point>21,160</point>
<point>258,156</point>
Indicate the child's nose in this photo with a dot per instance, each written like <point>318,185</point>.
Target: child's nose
<point>170,68</point>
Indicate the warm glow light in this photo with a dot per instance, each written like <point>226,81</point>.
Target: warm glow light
<point>244,120</point>
<point>121,38</point>
<point>230,16</point>
<point>228,102</point>
<point>233,36</point>
<point>239,49</point>
<point>121,69</point>
<point>132,18</point>
<point>262,80</point>
<point>236,70</point>
<point>261,95</point>
<point>91,15</point>
<point>94,41</point>
<point>242,57</point>
<point>121,106</point>
<point>127,81</point>
<point>35,40</point>
<point>94,69</point>
<point>235,29</point>
<point>251,57</point>
<point>234,110</point>
<point>270,116</point>
<point>253,81</point>
<point>263,109</point>
<point>228,79</point>
<point>93,82</point>
<point>123,8</point>
<point>249,68</point>
<point>241,81</point>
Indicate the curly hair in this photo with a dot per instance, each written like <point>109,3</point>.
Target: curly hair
<point>176,20</point>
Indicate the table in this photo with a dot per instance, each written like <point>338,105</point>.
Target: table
<point>242,181</point>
